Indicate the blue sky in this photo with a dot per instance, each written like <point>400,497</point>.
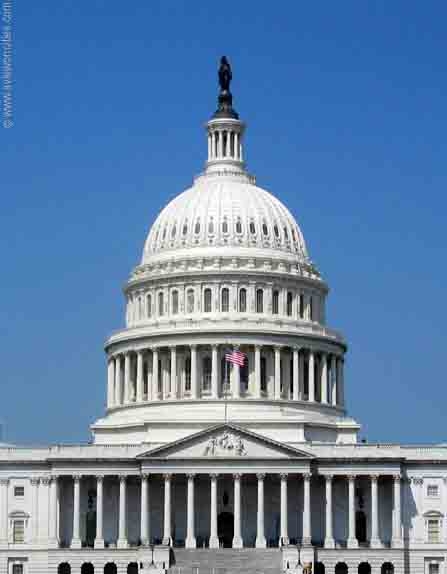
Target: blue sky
<point>347,122</point>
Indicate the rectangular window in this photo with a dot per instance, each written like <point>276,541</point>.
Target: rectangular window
<point>433,568</point>
<point>432,490</point>
<point>289,304</point>
<point>17,569</point>
<point>19,491</point>
<point>433,529</point>
<point>301,303</point>
<point>275,303</point>
<point>18,531</point>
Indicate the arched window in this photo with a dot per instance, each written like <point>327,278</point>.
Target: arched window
<point>276,230</point>
<point>364,568</point>
<point>64,568</point>
<point>252,228</point>
<point>165,230</point>
<point>174,302</point>
<point>319,568</point>
<point>207,301</point>
<point>239,226</point>
<point>211,226</point>
<point>387,568</point>
<point>149,306</point>
<point>110,568</point>
<point>190,301</point>
<point>275,302</point>
<point>260,301</point>
<point>301,304</point>
<point>197,227</point>
<point>161,304</point>
<point>87,568</point>
<point>225,300</point>
<point>174,231</point>
<point>206,373</point>
<point>263,374</point>
<point>289,303</point>
<point>188,374</point>
<point>185,228</point>
<point>225,225</point>
<point>311,308</point>
<point>242,300</point>
<point>286,233</point>
<point>341,568</point>
<point>265,229</point>
<point>132,568</point>
<point>360,527</point>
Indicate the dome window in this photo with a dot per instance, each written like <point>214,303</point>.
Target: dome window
<point>190,301</point>
<point>207,300</point>
<point>260,301</point>
<point>211,227</point>
<point>293,234</point>
<point>276,229</point>
<point>165,230</point>
<point>252,228</point>
<point>174,231</point>
<point>225,300</point>
<point>225,226</point>
<point>239,226</point>
<point>174,302</point>
<point>265,229</point>
<point>207,368</point>
<point>160,304</point>
<point>286,234</point>
<point>157,235</point>
<point>197,227</point>
<point>275,302</point>
<point>243,301</point>
<point>289,303</point>
<point>149,306</point>
<point>185,228</point>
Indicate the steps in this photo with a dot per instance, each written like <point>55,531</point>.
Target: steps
<point>226,560</point>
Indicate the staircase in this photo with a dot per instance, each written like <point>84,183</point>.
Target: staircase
<point>226,560</point>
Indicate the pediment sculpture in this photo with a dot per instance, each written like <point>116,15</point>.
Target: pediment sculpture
<point>224,445</point>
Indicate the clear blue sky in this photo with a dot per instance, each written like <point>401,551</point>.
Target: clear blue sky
<point>346,110</point>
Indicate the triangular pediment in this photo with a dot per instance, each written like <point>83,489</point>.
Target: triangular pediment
<point>223,442</point>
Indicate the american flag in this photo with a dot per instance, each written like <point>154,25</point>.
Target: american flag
<point>236,357</point>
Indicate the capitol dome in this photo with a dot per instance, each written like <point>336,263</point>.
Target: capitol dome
<point>225,270</point>
<point>224,213</point>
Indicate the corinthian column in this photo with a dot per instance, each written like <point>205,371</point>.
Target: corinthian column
<point>237,539</point>
<point>277,372</point>
<point>140,370</point>
<point>118,381</point>
<point>145,513</point>
<point>397,525</point>
<point>194,385</point>
<point>284,541</point>
<point>53,513</point>
<point>311,372</point>
<point>214,540</point>
<point>375,542</point>
<point>122,522</point>
<point>352,540</point>
<point>76,540</point>
<point>296,374</point>
<point>4,484</point>
<point>99,539</point>
<point>190,541</point>
<point>324,393</point>
<point>35,508</point>
<point>167,540</point>
<point>329,538</point>
<point>111,382</point>
<point>307,532</point>
<point>260,530</point>
<point>215,372</point>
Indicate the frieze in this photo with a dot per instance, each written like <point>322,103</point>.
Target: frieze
<point>227,444</point>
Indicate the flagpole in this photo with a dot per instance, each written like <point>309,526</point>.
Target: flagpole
<point>226,388</point>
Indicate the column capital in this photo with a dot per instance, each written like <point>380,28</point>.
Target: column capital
<point>191,475</point>
<point>193,346</point>
<point>145,476</point>
<point>296,348</point>
<point>4,481</point>
<point>122,478</point>
<point>260,475</point>
<point>54,477</point>
<point>34,481</point>
<point>307,475</point>
<point>351,477</point>
<point>258,347</point>
<point>374,477</point>
<point>215,346</point>
<point>237,475</point>
<point>214,476</point>
<point>99,477</point>
<point>284,475</point>
<point>167,477</point>
<point>45,480</point>
<point>397,477</point>
<point>329,477</point>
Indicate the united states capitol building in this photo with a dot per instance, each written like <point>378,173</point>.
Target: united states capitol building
<point>200,465</point>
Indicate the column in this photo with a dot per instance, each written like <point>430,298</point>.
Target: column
<point>340,382</point>
<point>257,371</point>
<point>396,541</point>
<point>296,374</point>
<point>190,541</point>
<point>307,532</point>
<point>111,382</point>
<point>311,371</point>
<point>76,540</point>
<point>4,484</point>
<point>236,145</point>
<point>215,372</point>
<point>194,386</point>
<point>99,539</point>
<point>53,513</point>
<point>155,395</point>
<point>375,541</point>
<point>301,377</point>
<point>334,381</point>
<point>260,528</point>
<point>324,393</point>
<point>214,539</point>
<point>140,369</point>
<point>237,540</point>
<point>35,508</point>
<point>284,536</point>
<point>236,380</point>
<point>329,538</point>
<point>122,521</point>
<point>145,513</point>
<point>277,372</point>
<point>174,390</point>
<point>167,540</point>
<point>118,381</point>
<point>352,540</point>
<point>127,359</point>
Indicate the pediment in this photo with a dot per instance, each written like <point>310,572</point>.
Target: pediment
<point>224,442</point>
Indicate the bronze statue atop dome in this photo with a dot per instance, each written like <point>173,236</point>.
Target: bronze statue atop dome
<point>225,100</point>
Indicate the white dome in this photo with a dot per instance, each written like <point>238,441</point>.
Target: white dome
<point>225,211</point>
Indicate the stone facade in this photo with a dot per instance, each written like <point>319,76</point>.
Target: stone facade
<point>202,455</point>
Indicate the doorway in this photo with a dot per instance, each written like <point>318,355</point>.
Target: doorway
<point>225,529</point>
